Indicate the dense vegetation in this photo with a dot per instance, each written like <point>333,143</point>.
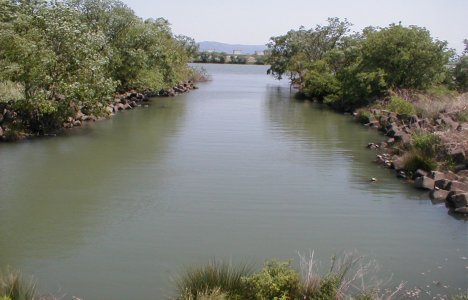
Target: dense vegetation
<point>348,70</point>
<point>403,81</point>
<point>57,57</point>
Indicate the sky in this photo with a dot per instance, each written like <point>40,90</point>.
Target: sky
<point>253,22</point>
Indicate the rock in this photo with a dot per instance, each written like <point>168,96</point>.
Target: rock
<point>79,115</point>
<point>127,106</point>
<point>442,184</point>
<point>401,175</point>
<point>457,186</point>
<point>133,104</point>
<point>461,210</point>
<point>403,137</point>
<point>420,172</point>
<point>390,141</point>
<point>392,130</point>
<point>457,155</point>
<point>109,109</point>
<point>1,131</point>
<point>424,182</point>
<point>398,163</point>
<point>458,201</point>
<point>77,123</point>
<point>438,196</point>
<point>436,175</point>
<point>67,125</point>
<point>463,173</point>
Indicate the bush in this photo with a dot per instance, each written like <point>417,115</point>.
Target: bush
<point>414,161</point>
<point>428,144</point>
<point>277,280</point>
<point>400,106</point>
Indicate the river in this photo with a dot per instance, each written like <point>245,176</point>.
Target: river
<point>236,170</point>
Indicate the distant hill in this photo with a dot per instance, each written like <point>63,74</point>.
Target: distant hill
<point>229,48</point>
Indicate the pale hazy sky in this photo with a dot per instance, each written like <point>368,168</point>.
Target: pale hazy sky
<point>254,21</point>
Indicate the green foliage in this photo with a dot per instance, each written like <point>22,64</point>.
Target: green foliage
<point>62,56</point>
<point>408,56</point>
<point>401,106</point>
<point>364,116</point>
<point>214,276</point>
<point>413,161</point>
<point>349,71</point>
<point>14,287</point>
<point>461,74</point>
<point>428,144</point>
<point>277,280</point>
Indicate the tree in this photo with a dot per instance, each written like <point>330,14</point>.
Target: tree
<point>408,56</point>
<point>461,70</point>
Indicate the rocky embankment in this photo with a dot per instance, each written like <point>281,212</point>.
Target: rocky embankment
<point>449,187</point>
<point>10,119</point>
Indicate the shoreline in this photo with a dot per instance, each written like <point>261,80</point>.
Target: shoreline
<point>121,101</point>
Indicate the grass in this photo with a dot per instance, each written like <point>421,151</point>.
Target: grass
<point>14,287</point>
<point>401,106</point>
<point>349,277</point>
<point>216,275</point>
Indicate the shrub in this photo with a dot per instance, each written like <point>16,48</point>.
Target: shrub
<point>401,106</point>
<point>414,161</point>
<point>277,280</point>
<point>214,276</point>
<point>364,116</point>
<point>428,144</point>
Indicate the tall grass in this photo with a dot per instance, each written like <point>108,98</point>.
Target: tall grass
<point>14,287</point>
<point>215,276</point>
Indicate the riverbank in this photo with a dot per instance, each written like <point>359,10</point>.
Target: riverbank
<point>427,142</point>
<point>14,123</point>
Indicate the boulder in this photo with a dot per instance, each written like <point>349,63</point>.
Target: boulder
<point>109,109</point>
<point>77,123</point>
<point>436,175</point>
<point>458,201</point>
<point>442,184</point>
<point>403,137</point>
<point>457,155</point>
<point>420,172</point>
<point>424,182</point>
<point>398,163</point>
<point>463,173</point>
<point>392,130</point>
<point>457,186</point>
<point>127,106</point>
<point>438,196</point>
<point>1,131</point>
<point>462,210</point>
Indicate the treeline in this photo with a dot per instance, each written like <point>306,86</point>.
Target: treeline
<point>224,58</point>
<point>347,70</point>
<point>59,57</point>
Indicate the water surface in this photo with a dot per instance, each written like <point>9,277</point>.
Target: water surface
<point>235,170</point>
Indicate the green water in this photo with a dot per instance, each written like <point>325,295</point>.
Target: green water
<point>236,170</point>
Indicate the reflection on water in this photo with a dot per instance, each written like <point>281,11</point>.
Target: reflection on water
<point>235,170</point>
